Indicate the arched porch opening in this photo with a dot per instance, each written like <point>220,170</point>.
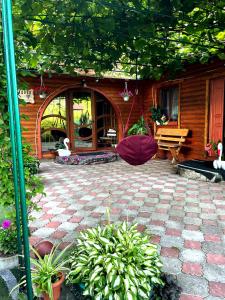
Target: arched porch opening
<point>83,115</point>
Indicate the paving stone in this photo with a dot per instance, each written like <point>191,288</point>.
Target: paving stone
<point>192,244</point>
<point>170,252</point>
<point>190,297</point>
<point>208,216</point>
<point>210,230</point>
<point>60,218</point>
<point>171,265</point>
<point>43,232</point>
<point>214,273</point>
<point>194,221</point>
<point>67,226</point>
<point>212,238</point>
<point>178,213</point>
<point>193,235</point>
<point>192,268</point>
<point>217,259</point>
<point>192,255</point>
<point>217,289</point>
<point>193,285</point>
<point>171,241</point>
<point>168,204</point>
<point>211,247</point>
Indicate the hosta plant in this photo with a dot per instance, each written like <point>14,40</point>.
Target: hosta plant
<point>115,262</point>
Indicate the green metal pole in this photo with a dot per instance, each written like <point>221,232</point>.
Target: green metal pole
<point>13,144</point>
<point>7,12</point>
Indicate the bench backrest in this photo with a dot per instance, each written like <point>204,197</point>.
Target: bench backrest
<point>172,132</point>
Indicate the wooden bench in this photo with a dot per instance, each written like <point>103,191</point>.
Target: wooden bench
<point>171,139</point>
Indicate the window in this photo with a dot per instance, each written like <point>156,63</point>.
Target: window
<point>168,102</point>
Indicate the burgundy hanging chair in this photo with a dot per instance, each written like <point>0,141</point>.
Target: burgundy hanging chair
<point>137,149</point>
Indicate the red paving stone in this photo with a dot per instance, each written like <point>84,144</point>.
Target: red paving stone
<point>53,224</point>
<point>34,240</point>
<point>94,215</point>
<point>173,232</point>
<point>192,227</point>
<point>141,228</point>
<point>58,234</point>
<point>217,289</point>
<point>155,239</point>
<point>192,244</point>
<point>76,219</point>
<point>192,268</point>
<point>157,222</point>
<point>217,259</point>
<point>212,238</point>
<point>209,222</point>
<point>170,252</point>
<point>144,214</point>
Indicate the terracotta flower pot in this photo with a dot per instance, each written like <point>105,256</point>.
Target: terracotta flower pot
<point>56,287</point>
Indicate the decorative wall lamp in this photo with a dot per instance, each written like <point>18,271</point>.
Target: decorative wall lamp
<point>126,94</point>
<point>83,83</point>
<point>42,91</point>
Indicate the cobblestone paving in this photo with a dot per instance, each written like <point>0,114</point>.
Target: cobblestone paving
<point>185,217</point>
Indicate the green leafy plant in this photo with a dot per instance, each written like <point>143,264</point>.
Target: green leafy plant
<point>33,183</point>
<point>138,128</point>
<point>46,271</point>
<point>157,116</point>
<point>84,118</point>
<point>115,262</point>
<point>8,238</point>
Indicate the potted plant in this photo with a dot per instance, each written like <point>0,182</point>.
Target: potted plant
<point>138,128</point>
<point>48,273</point>
<point>211,148</point>
<point>115,262</point>
<point>158,117</point>
<point>8,245</point>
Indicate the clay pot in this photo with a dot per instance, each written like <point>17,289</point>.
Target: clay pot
<point>44,248</point>
<point>56,287</point>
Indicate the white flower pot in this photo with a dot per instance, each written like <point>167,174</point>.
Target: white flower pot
<point>9,262</point>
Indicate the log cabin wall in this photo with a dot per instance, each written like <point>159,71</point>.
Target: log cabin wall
<point>194,102</point>
<point>110,88</point>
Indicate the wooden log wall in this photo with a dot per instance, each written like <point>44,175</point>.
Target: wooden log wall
<point>110,88</point>
<point>193,104</point>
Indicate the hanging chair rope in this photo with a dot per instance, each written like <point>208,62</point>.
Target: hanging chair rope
<point>137,149</point>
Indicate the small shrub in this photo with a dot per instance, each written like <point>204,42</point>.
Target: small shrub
<point>8,238</point>
<point>138,128</point>
<point>115,262</point>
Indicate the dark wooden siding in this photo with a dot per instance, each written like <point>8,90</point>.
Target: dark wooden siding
<point>193,104</point>
<point>110,88</point>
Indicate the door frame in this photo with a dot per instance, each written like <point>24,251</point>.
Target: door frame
<point>71,127</point>
<point>57,92</point>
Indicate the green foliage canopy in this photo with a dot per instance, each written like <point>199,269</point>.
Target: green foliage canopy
<point>106,34</point>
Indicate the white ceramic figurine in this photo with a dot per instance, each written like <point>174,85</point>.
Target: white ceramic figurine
<point>64,152</point>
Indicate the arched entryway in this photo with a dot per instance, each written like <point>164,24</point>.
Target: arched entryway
<point>82,115</point>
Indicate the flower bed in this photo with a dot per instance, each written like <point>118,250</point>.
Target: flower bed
<point>88,158</point>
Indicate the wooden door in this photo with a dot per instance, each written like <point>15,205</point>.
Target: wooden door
<point>83,134</point>
<point>216,110</point>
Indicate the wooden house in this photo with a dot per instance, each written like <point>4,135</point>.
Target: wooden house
<point>84,109</point>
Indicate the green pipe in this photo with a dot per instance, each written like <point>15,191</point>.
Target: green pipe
<point>7,12</point>
<point>13,144</point>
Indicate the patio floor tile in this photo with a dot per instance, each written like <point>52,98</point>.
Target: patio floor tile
<point>185,218</point>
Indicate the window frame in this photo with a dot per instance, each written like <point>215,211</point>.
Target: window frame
<point>165,86</point>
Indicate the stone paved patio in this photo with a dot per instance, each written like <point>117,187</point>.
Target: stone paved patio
<point>185,217</point>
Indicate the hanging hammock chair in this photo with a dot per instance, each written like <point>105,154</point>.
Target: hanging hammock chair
<point>137,149</point>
